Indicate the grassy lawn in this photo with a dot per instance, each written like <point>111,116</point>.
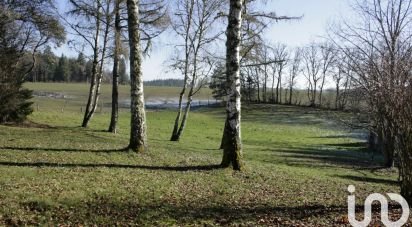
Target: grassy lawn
<point>299,163</point>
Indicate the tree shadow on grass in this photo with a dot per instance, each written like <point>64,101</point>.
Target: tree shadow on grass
<point>111,165</point>
<point>64,149</point>
<point>357,145</point>
<point>314,157</point>
<point>369,179</point>
<point>103,209</point>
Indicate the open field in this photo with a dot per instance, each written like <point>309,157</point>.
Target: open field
<point>81,90</point>
<point>299,163</point>
<point>73,96</point>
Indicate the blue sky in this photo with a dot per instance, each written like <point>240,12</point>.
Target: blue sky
<point>318,14</point>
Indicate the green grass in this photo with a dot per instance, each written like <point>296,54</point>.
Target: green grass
<point>299,163</point>
<point>81,89</point>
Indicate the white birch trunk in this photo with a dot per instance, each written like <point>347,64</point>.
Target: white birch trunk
<point>232,151</point>
<point>138,140</point>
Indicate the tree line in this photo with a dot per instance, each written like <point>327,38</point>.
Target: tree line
<point>51,68</point>
<point>272,75</point>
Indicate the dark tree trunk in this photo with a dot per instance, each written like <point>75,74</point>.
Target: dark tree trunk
<point>138,140</point>
<point>277,91</point>
<point>337,95</point>
<point>265,85</point>
<point>389,151</point>
<point>222,142</point>
<point>280,89</point>
<point>321,90</point>
<point>386,144</point>
<point>405,140</point>
<point>273,88</point>
<point>115,83</point>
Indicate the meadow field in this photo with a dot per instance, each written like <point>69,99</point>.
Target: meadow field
<point>299,163</point>
<point>74,95</point>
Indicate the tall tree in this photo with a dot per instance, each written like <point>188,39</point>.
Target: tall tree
<point>107,17</point>
<point>62,71</point>
<point>91,20</point>
<point>328,56</point>
<point>115,80</point>
<point>295,69</point>
<point>379,49</point>
<point>281,55</point>
<point>195,24</point>
<point>138,137</point>
<point>25,27</point>
<point>312,68</point>
<point>342,79</point>
<point>232,149</point>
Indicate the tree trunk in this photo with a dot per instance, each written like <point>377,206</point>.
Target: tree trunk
<point>386,145</point>
<point>321,89</point>
<point>179,114</point>
<point>337,95</point>
<point>265,85</point>
<point>232,152</point>
<point>138,140</point>
<point>290,94</point>
<point>175,131</point>
<point>115,83</point>
<point>258,86</point>
<point>286,96</point>
<point>222,142</point>
<point>372,141</point>
<point>405,142</point>
<point>100,73</point>
<point>184,119</point>
<point>388,151</point>
<point>280,89</point>
<point>92,104</point>
<point>176,136</point>
<point>273,88</point>
<point>250,89</point>
<point>92,90</point>
<point>277,91</point>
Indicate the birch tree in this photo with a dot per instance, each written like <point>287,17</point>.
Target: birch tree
<point>232,149</point>
<point>138,137</point>
<point>195,23</point>
<point>91,21</point>
<point>152,22</point>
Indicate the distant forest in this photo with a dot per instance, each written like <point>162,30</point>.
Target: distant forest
<point>165,82</point>
<point>51,68</point>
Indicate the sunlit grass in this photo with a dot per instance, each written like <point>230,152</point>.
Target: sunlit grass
<point>299,163</point>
